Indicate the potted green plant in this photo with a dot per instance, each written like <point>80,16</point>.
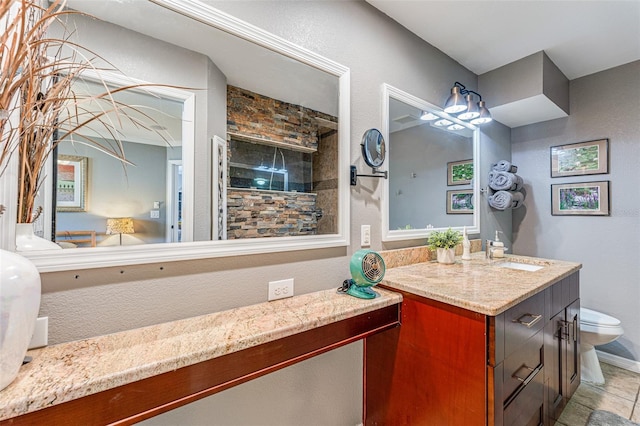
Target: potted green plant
<point>444,243</point>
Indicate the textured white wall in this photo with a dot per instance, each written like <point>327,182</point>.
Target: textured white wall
<point>603,105</point>
<point>88,303</point>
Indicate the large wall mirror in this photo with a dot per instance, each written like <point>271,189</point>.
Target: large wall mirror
<point>254,124</point>
<point>433,164</point>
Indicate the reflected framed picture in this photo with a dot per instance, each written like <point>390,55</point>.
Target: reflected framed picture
<point>459,172</point>
<point>71,183</point>
<point>460,202</point>
<point>580,199</point>
<point>579,159</point>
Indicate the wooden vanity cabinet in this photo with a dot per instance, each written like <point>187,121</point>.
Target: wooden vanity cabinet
<point>451,366</point>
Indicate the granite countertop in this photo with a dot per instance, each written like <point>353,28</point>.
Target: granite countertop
<point>72,370</point>
<point>478,284</point>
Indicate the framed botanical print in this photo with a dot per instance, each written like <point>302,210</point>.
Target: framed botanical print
<point>459,172</point>
<point>578,159</point>
<point>580,199</point>
<point>460,202</point>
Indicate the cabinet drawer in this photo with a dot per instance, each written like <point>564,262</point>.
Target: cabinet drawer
<point>527,407</point>
<point>522,322</point>
<point>521,364</point>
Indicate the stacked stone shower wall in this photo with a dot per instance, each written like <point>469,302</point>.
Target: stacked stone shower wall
<point>254,213</point>
<point>252,114</point>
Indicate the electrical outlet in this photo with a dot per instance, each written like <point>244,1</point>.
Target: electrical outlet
<point>40,333</point>
<point>155,214</point>
<point>365,235</point>
<point>280,289</point>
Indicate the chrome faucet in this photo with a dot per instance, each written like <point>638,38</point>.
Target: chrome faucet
<point>489,250</point>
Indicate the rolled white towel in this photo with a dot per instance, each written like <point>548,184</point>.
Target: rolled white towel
<point>504,166</point>
<point>503,200</point>
<point>499,181</point>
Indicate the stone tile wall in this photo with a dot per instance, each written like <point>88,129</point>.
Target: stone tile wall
<point>253,213</point>
<point>252,114</point>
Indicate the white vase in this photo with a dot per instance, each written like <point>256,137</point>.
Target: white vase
<point>26,240</point>
<point>446,255</point>
<point>19,306</point>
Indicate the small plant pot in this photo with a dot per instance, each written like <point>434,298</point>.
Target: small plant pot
<point>446,255</point>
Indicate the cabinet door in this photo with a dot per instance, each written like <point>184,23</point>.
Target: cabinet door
<point>572,344</point>
<point>554,364</point>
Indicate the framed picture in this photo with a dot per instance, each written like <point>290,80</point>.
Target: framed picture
<point>580,199</point>
<point>71,184</point>
<point>460,202</point>
<point>578,159</point>
<point>459,172</point>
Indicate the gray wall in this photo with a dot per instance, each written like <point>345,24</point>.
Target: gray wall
<point>603,105</point>
<point>115,190</point>
<point>421,200</point>
<point>165,63</point>
<point>102,301</point>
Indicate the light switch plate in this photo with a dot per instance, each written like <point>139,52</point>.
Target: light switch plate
<point>365,236</point>
<point>155,214</point>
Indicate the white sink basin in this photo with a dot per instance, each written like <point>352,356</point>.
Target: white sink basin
<point>520,266</point>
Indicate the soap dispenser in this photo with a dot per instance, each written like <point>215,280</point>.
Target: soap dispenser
<point>466,245</point>
<point>498,247</point>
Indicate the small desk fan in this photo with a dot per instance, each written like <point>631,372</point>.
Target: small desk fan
<point>367,269</point>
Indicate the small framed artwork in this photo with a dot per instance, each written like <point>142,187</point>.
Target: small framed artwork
<point>460,202</point>
<point>459,172</point>
<point>580,199</point>
<point>578,159</point>
<point>71,184</point>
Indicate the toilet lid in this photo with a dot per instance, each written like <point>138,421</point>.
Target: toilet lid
<point>588,316</point>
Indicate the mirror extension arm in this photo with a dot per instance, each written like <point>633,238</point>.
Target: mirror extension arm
<point>376,173</point>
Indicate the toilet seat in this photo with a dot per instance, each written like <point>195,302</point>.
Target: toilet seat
<point>597,319</point>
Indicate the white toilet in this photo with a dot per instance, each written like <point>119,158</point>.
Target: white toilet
<point>596,329</point>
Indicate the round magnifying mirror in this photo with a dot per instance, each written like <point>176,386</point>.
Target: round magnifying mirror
<point>373,148</point>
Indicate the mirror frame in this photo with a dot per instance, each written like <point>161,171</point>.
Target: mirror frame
<point>389,92</point>
<point>100,257</point>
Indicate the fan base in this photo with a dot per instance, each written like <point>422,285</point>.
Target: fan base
<point>361,292</point>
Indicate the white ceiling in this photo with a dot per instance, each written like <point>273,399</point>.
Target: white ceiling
<point>580,36</point>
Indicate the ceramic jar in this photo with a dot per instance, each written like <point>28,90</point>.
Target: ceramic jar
<point>19,306</point>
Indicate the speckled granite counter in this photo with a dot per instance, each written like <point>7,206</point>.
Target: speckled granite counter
<point>73,370</point>
<point>478,285</point>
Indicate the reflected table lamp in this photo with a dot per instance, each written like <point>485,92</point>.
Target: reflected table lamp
<point>120,225</point>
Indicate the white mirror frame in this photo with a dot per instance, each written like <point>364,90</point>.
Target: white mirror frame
<point>99,257</point>
<point>407,98</point>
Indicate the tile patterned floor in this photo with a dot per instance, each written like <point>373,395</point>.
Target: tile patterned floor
<point>619,395</point>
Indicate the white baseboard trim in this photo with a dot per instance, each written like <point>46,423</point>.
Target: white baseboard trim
<point>618,361</point>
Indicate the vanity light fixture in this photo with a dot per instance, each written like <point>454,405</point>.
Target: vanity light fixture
<point>456,102</point>
<point>473,110</point>
<point>485,115</point>
<point>428,116</point>
<point>442,123</point>
<point>461,102</point>
<point>455,127</point>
